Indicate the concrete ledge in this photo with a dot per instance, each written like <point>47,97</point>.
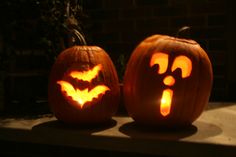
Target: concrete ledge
<point>213,134</point>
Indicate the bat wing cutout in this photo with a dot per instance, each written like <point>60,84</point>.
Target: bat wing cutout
<point>86,75</point>
<point>82,96</point>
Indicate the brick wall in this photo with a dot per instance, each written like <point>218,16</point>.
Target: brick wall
<point>119,25</point>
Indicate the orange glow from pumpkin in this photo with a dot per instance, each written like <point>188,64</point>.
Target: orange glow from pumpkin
<point>169,80</point>
<point>184,63</point>
<point>166,102</point>
<point>82,96</point>
<point>86,75</point>
<point>162,60</point>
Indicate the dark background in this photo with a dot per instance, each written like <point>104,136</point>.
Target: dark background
<point>31,33</point>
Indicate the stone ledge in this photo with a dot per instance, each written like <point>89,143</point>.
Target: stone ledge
<point>212,134</point>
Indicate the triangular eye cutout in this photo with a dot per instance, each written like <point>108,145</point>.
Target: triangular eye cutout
<point>162,60</point>
<point>183,63</point>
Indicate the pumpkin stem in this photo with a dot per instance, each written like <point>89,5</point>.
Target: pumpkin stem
<point>72,27</point>
<point>79,36</point>
<point>183,32</point>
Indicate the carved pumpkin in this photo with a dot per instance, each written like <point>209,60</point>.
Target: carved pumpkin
<point>167,81</point>
<point>83,86</point>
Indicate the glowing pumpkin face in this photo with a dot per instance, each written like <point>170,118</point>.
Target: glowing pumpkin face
<point>82,96</point>
<point>181,62</point>
<point>167,81</point>
<point>83,86</point>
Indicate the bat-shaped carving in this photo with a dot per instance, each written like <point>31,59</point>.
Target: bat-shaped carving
<point>86,75</point>
<point>82,96</point>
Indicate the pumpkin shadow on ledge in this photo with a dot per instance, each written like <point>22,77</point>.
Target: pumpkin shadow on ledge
<point>198,130</point>
<point>88,129</point>
<point>137,131</point>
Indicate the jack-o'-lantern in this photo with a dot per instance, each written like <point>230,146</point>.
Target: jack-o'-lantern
<point>83,86</point>
<point>167,81</point>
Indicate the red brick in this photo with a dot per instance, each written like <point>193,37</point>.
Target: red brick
<point>151,2</point>
<point>217,20</point>
<point>209,8</point>
<point>136,13</point>
<point>188,21</point>
<point>105,14</point>
<point>208,32</point>
<point>216,1</point>
<point>152,24</point>
<point>219,94</point>
<point>118,4</point>
<point>218,45</point>
<point>117,48</point>
<point>134,36</point>
<point>137,36</point>
<point>219,82</point>
<point>95,26</point>
<point>179,2</point>
<point>92,4</point>
<point>120,47</point>
<point>118,25</point>
<point>105,37</point>
<point>171,11</point>
<point>186,2</point>
<point>218,59</point>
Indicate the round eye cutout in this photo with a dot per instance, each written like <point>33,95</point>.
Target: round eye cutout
<point>160,59</point>
<point>180,62</point>
<point>184,63</point>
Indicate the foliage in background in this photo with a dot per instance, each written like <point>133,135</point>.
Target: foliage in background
<point>39,24</point>
<point>60,18</point>
<point>45,25</point>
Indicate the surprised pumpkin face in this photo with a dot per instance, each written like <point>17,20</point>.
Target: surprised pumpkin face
<point>167,81</point>
<point>162,60</point>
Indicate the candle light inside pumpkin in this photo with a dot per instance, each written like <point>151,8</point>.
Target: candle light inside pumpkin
<point>87,75</point>
<point>85,95</point>
<point>82,96</point>
<point>166,102</point>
